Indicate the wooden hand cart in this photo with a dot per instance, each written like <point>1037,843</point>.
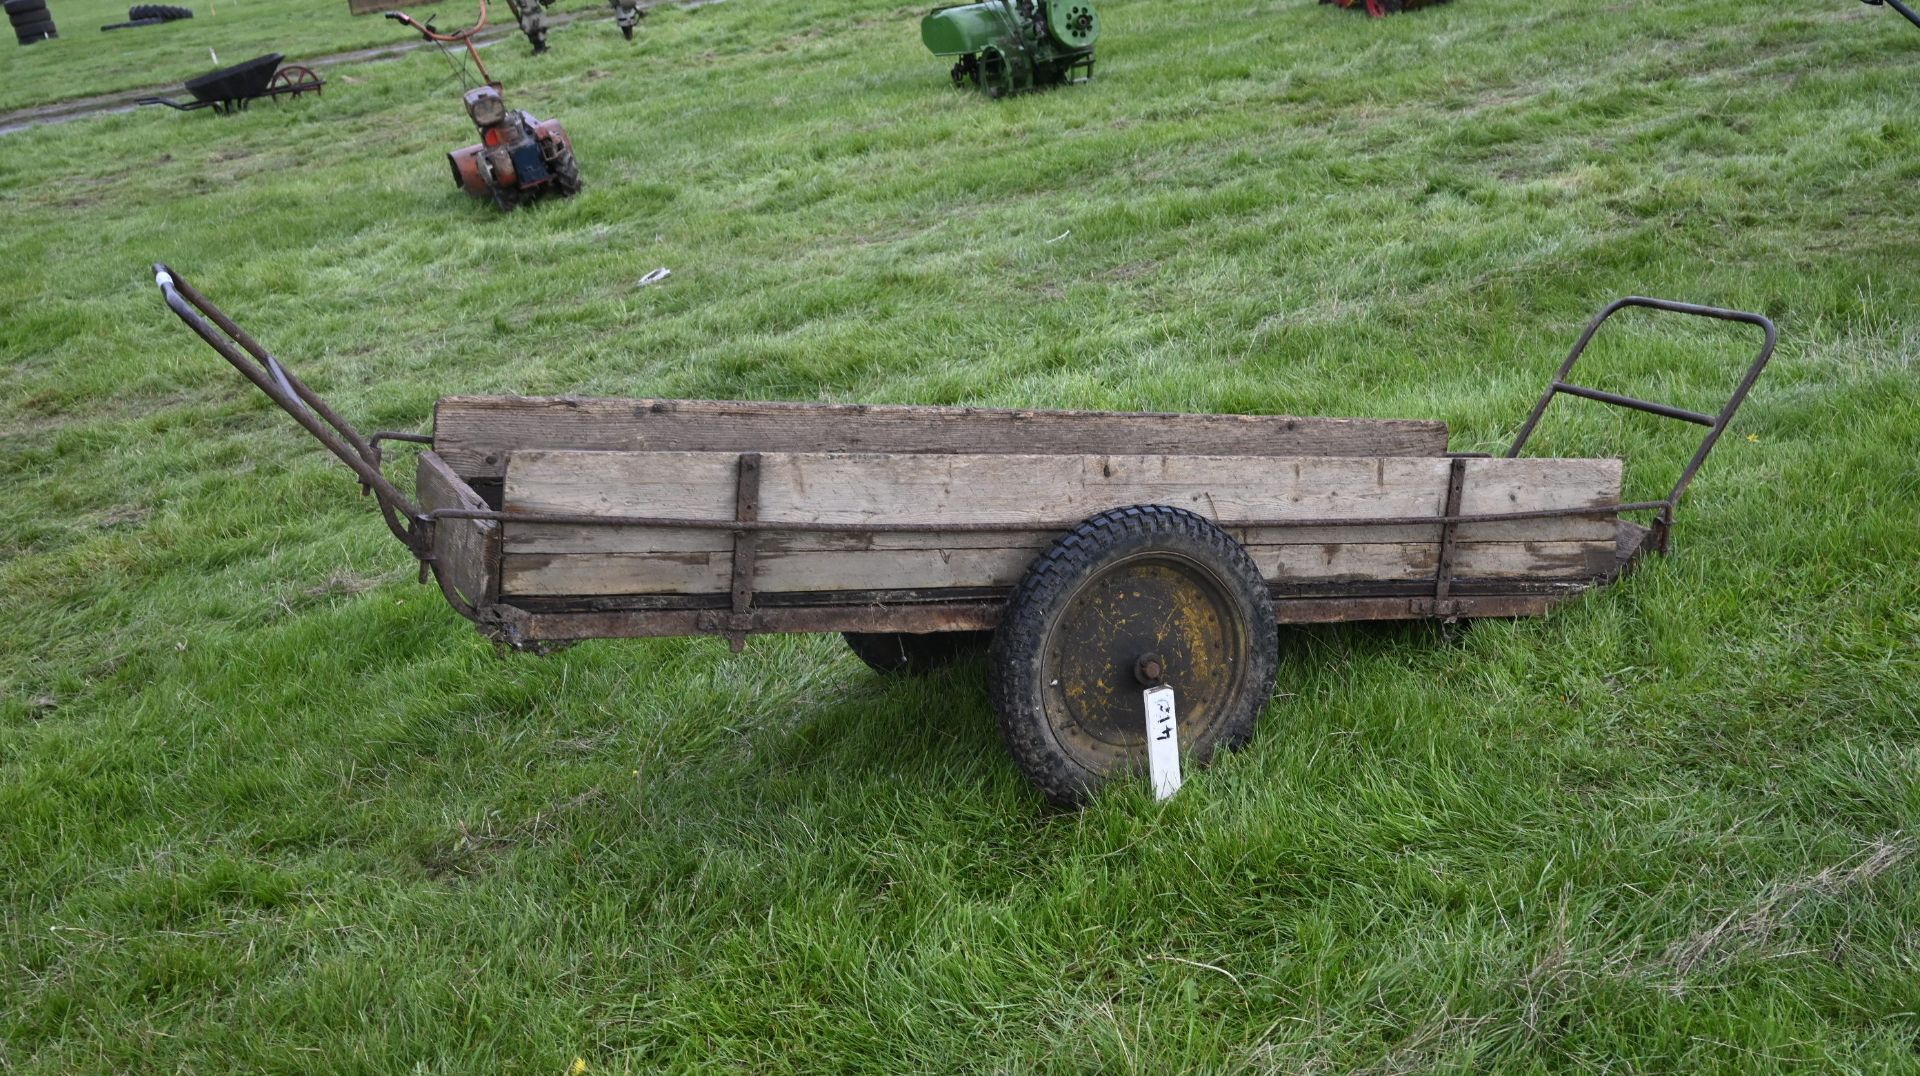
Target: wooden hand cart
<point>1106,553</point>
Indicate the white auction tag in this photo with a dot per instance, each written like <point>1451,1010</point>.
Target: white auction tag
<point>1163,741</point>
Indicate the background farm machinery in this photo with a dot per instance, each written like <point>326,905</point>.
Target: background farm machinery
<point>532,17</point>
<point>518,158</point>
<point>1005,46</point>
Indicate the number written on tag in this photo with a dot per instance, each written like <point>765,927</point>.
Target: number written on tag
<point>1163,741</point>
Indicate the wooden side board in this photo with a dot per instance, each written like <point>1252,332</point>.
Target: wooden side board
<point>852,489</point>
<point>465,550</point>
<point>476,435</point>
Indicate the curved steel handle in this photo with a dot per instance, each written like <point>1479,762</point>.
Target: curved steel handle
<point>296,399</point>
<point>1903,9</point>
<point>1716,423</point>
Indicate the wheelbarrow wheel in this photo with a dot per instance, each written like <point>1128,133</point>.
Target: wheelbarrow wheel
<point>1133,597</point>
<point>888,652</point>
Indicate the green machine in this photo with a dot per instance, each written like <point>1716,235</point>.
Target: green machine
<point>1006,46</point>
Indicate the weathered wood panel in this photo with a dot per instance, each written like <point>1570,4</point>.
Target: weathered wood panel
<point>706,573</point>
<point>979,616</point>
<point>465,549</point>
<point>1017,489</point>
<point>477,434</point>
<point>855,488</point>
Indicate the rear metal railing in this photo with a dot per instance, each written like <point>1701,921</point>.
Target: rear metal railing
<point>1716,424</point>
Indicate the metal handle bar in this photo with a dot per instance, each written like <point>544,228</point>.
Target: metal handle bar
<point>1901,8</point>
<point>464,37</point>
<point>434,35</point>
<point>1716,424</point>
<point>296,399</point>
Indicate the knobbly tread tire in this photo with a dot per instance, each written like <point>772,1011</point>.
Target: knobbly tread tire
<point>163,12</point>
<point>890,652</point>
<point>566,170</point>
<point>1015,678</point>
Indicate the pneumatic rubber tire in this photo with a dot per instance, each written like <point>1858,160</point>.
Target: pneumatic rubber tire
<point>889,652</point>
<point>566,174</point>
<point>163,12</point>
<point>17,10</point>
<point>1126,584</point>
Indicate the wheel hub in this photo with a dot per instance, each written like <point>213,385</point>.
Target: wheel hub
<point>1151,620</point>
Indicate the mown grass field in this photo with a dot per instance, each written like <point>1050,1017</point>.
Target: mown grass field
<point>266,805</point>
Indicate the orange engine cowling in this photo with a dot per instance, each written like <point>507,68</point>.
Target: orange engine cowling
<point>467,173</point>
<point>546,130</point>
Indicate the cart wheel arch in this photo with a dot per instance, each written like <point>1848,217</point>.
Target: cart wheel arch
<point>1131,598</point>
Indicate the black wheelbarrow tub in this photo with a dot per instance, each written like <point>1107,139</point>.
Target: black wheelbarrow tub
<point>236,83</point>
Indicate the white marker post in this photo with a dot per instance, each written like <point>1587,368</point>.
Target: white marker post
<point>1163,741</point>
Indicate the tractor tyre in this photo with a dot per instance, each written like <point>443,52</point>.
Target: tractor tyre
<point>16,9</point>
<point>889,652</point>
<point>1134,597</point>
<point>163,12</point>
<point>566,174</point>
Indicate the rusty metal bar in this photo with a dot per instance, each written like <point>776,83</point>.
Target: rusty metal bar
<point>1637,404</point>
<point>284,389</point>
<point>1443,571</point>
<point>1020,526</point>
<point>284,377</point>
<point>531,629</point>
<point>746,547</point>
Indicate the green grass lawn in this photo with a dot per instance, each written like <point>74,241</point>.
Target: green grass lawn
<point>266,805</point>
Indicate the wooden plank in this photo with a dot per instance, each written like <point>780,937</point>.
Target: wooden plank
<point>575,538</point>
<point>465,549</point>
<point>546,559</point>
<point>477,435</point>
<point>979,616</point>
<point>788,572</point>
<point>1018,489</point>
